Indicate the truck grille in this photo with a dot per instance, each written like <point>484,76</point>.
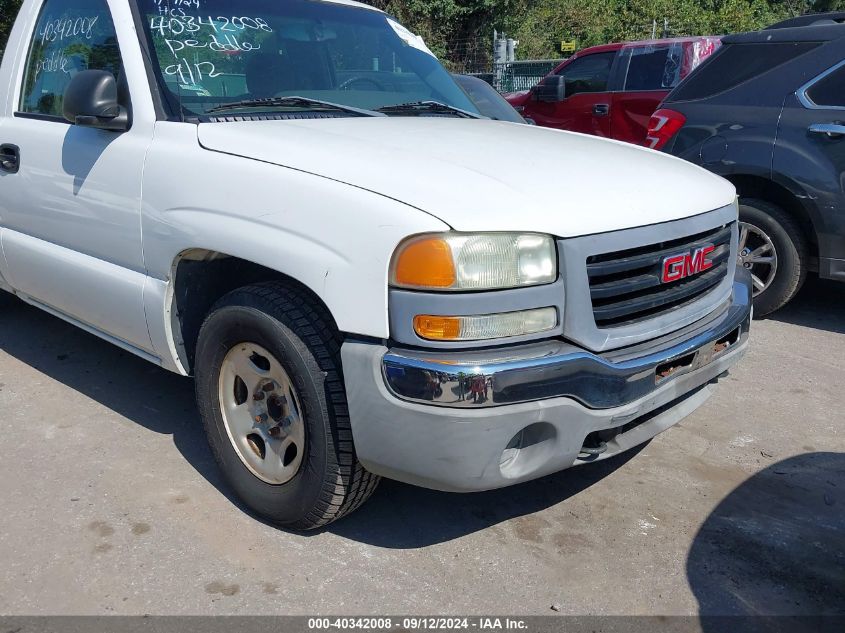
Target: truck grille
<point>626,286</point>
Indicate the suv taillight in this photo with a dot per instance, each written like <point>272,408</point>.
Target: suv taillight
<point>664,124</point>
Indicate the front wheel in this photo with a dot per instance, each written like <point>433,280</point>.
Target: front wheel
<point>271,395</point>
<point>772,246</point>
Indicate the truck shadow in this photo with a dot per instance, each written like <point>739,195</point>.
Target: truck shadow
<point>131,387</point>
<point>398,515</point>
<point>775,545</point>
<point>820,305</point>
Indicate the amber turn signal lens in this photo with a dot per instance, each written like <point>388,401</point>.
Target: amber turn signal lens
<point>437,328</point>
<point>478,327</point>
<point>425,263</point>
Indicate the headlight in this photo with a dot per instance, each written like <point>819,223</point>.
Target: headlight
<point>474,261</point>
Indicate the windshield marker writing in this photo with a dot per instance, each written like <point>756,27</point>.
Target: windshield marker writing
<point>63,28</point>
<point>191,73</point>
<point>231,44</point>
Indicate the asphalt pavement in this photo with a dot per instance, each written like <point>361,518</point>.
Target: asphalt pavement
<point>111,503</point>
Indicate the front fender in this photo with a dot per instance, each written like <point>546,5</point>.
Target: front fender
<point>333,238</point>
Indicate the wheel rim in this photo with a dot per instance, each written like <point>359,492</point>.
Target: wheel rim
<point>757,253</point>
<point>261,413</point>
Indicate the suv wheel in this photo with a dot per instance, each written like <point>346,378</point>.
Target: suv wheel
<point>773,248</point>
<point>273,403</point>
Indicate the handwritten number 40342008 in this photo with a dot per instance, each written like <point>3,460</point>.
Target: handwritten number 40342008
<point>175,26</point>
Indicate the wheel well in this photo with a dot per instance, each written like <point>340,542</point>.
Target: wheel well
<point>758,187</point>
<point>202,277</point>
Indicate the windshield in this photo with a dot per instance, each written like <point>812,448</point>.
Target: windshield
<point>208,53</point>
<point>488,101</point>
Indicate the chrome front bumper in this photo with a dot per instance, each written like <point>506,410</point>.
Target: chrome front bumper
<point>558,369</point>
<point>425,419</point>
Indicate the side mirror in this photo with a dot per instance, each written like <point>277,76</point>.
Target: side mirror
<point>91,100</point>
<point>551,89</point>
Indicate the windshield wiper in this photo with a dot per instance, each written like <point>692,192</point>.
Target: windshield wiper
<point>292,102</point>
<point>428,107</point>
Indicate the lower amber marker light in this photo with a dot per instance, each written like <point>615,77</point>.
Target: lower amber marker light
<point>485,326</point>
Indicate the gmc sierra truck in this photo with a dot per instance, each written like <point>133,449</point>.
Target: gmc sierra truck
<point>295,203</point>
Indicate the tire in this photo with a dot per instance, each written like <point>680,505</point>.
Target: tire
<point>790,246</point>
<point>328,482</point>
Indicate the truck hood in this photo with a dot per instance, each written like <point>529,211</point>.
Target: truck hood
<point>482,175</point>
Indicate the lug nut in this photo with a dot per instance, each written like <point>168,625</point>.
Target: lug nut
<point>276,431</point>
<point>269,387</point>
<point>261,419</point>
<point>258,396</point>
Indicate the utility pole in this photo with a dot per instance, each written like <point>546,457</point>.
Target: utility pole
<point>500,48</point>
<point>500,58</point>
<point>511,49</point>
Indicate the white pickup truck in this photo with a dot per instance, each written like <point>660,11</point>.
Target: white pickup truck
<point>296,204</point>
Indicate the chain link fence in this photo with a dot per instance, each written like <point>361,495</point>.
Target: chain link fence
<point>514,76</point>
<point>521,75</point>
<point>474,56</point>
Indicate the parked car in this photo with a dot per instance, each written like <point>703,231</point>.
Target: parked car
<point>767,112</point>
<point>612,90</point>
<point>308,217</point>
<point>487,99</point>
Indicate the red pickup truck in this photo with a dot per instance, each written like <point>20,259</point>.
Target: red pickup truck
<point>612,90</point>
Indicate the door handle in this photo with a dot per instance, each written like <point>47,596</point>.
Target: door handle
<point>10,158</point>
<point>601,109</point>
<point>833,130</point>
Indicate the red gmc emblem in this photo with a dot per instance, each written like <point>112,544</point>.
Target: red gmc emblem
<point>683,265</point>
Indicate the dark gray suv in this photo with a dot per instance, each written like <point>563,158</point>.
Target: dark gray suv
<point>767,112</point>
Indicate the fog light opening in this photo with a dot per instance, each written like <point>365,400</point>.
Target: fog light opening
<point>528,450</point>
<point>511,450</point>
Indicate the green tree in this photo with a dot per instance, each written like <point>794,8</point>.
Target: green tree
<point>591,22</point>
<point>540,25</point>
<point>449,25</point>
<point>8,13</point>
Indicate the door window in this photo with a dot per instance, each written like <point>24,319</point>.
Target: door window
<point>588,74</point>
<point>829,91</point>
<point>653,68</point>
<point>70,36</point>
<point>735,64</point>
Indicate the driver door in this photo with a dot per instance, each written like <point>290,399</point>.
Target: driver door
<point>71,228</point>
